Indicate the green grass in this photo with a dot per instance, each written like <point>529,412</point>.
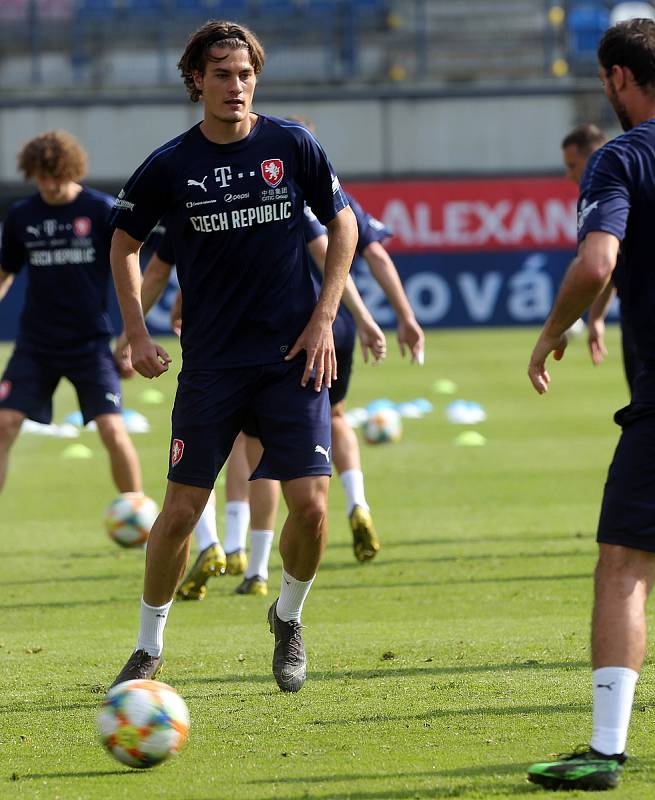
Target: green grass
<point>442,669</point>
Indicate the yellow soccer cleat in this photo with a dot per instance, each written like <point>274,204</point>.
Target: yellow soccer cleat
<point>236,562</point>
<point>254,585</point>
<point>365,540</point>
<point>209,563</point>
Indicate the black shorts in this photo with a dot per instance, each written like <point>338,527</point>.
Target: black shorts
<point>30,380</point>
<point>211,407</point>
<point>627,515</point>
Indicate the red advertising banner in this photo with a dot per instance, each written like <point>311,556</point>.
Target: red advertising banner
<point>473,215</point>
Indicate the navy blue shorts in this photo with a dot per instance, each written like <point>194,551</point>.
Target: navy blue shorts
<point>211,407</point>
<point>627,515</point>
<point>30,380</point>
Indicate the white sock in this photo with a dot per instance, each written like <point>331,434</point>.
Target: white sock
<point>237,519</point>
<point>151,632</point>
<point>260,552</point>
<point>292,597</point>
<point>353,484</point>
<point>614,689</point>
<point>205,531</point>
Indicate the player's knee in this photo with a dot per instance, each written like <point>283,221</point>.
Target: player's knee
<point>311,514</point>
<point>112,431</point>
<point>179,519</point>
<point>9,427</point>
<point>617,563</point>
<point>338,410</point>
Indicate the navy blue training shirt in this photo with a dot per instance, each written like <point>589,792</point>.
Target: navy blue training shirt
<point>234,212</point>
<point>617,196</point>
<point>369,229</point>
<point>66,251</point>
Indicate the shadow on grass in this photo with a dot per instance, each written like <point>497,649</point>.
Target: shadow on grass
<point>520,538</point>
<point>459,581</point>
<point>112,601</point>
<point>483,769</point>
<point>329,566</point>
<point>34,706</point>
<point>437,713</point>
<point>76,579</point>
<point>37,776</point>
<point>395,672</point>
<point>488,788</point>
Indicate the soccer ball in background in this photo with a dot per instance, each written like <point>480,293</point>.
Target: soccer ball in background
<point>129,517</point>
<point>142,723</point>
<point>383,425</point>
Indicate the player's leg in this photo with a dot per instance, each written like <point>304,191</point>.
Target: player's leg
<point>10,422</point>
<point>264,502</point>
<point>237,507</point>
<point>302,541</point>
<point>294,425</point>
<point>123,458</point>
<point>26,390</point>
<point>346,459</point>
<point>166,558</point>
<point>210,561</point>
<point>624,578</point>
<point>202,436</point>
<point>97,383</point>
<point>623,581</point>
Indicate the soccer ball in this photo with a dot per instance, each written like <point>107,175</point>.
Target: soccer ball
<point>383,425</point>
<point>129,518</point>
<point>142,723</point>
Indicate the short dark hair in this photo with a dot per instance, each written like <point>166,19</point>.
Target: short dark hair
<point>630,44</point>
<point>55,154</point>
<point>222,34</point>
<point>586,138</point>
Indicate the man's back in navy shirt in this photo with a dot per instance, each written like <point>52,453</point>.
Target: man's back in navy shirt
<point>617,196</point>
<point>65,249</point>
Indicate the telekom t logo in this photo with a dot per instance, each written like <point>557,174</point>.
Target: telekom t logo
<point>223,176</point>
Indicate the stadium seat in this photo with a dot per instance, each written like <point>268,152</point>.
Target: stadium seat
<point>144,7</point>
<point>96,9</point>
<point>586,23</point>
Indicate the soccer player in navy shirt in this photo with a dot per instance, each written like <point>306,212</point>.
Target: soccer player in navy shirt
<point>616,210</point>
<point>233,189</point>
<point>61,236</point>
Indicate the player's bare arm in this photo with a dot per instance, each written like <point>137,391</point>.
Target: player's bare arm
<point>155,280</point>
<point>149,359</point>
<point>316,339</point>
<point>6,280</point>
<point>589,274</point>
<point>371,336</point>
<point>596,323</point>
<point>410,333</point>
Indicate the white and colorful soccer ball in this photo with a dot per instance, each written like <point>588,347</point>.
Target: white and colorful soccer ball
<point>129,517</point>
<point>142,723</point>
<point>383,425</point>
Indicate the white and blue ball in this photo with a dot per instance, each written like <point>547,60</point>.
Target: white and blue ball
<point>383,425</point>
<point>142,723</point>
<point>129,518</point>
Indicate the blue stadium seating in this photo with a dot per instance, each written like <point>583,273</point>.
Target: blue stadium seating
<point>96,9</point>
<point>586,23</point>
<point>145,7</point>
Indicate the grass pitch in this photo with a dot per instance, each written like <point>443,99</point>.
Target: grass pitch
<point>441,669</point>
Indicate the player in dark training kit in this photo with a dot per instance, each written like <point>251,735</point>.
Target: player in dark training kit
<point>616,209</point>
<point>62,236</point>
<point>233,190</point>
